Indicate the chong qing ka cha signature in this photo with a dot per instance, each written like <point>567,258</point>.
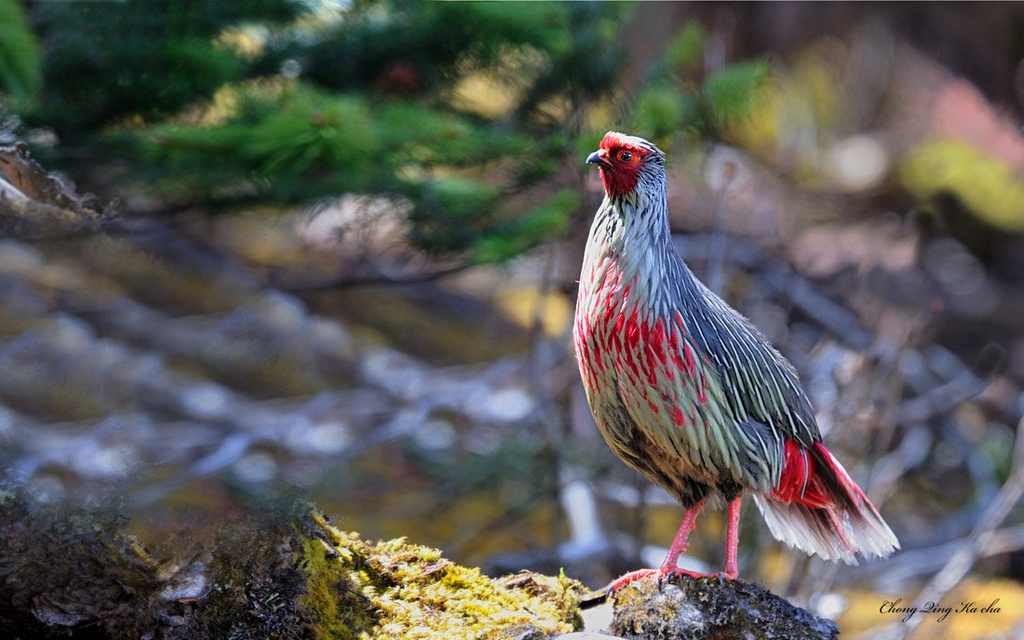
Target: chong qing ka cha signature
<point>893,607</point>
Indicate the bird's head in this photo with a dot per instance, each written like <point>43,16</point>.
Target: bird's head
<point>624,160</point>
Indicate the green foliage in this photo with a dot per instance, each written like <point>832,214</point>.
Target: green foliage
<point>455,108</point>
<point>443,138</point>
<point>461,198</point>
<point>301,134</point>
<point>730,91</point>
<point>550,219</point>
<point>430,39</point>
<point>664,109</point>
<point>107,61</point>
<point>686,51</point>
<point>21,75</point>
<point>679,99</point>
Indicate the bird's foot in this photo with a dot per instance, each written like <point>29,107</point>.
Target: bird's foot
<point>632,576</point>
<point>663,573</point>
<point>672,572</point>
<point>721,575</point>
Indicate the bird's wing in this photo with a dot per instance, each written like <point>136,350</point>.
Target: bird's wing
<point>757,382</point>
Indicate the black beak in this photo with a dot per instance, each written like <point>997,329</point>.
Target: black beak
<point>599,158</point>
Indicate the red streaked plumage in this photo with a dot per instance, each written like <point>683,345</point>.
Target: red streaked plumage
<point>687,392</point>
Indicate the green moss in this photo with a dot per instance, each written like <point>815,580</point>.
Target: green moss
<point>334,614</point>
<point>393,589</point>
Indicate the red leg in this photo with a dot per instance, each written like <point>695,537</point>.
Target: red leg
<point>669,566</point>
<point>732,541</point>
<point>679,544</point>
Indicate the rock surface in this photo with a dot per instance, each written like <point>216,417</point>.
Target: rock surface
<point>710,609</point>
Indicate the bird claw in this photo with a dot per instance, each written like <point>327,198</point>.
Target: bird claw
<point>721,575</point>
<point>664,573</point>
<point>632,576</point>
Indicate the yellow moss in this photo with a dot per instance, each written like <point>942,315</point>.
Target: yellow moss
<point>393,589</point>
<point>321,599</point>
<point>988,187</point>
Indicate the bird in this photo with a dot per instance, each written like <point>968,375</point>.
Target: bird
<point>688,392</point>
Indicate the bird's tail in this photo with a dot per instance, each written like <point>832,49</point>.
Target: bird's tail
<point>818,508</point>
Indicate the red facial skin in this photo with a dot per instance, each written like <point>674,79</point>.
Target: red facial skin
<point>621,163</point>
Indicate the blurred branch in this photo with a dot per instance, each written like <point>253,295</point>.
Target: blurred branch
<point>369,279</point>
<point>952,382</point>
<point>800,290</point>
<point>921,562</point>
<point>973,546</point>
<point>942,398</point>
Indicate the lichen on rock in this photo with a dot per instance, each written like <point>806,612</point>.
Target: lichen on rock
<point>394,589</point>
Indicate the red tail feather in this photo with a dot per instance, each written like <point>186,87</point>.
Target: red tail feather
<point>817,507</point>
<point>805,480</point>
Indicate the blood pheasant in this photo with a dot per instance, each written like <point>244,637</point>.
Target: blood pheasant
<point>685,390</point>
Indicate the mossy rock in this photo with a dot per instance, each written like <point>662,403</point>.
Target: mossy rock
<point>71,573</point>
<point>394,589</point>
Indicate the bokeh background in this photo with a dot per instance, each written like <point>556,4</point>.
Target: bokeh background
<point>327,250</point>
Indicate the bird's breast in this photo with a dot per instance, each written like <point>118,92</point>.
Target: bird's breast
<point>625,345</point>
<point>646,382</point>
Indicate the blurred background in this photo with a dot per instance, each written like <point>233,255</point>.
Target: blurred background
<point>315,249</point>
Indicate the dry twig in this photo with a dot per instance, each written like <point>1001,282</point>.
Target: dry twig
<point>972,547</point>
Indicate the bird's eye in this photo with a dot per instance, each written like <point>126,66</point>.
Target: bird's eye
<point>624,156</point>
